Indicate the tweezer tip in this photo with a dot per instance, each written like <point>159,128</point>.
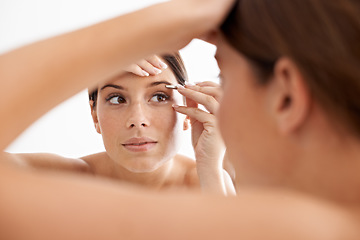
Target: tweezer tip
<point>171,86</point>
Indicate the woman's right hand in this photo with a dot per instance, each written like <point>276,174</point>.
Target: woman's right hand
<point>206,139</point>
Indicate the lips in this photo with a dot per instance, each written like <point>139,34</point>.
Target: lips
<point>141,144</point>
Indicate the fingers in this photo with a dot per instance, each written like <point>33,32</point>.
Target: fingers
<point>149,68</point>
<point>209,88</point>
<point>208,101</point>
<point>137,70</point>
<point>208,120</point>
<point>157,62</point>
<point>207,84</point>
<point>146,67</point>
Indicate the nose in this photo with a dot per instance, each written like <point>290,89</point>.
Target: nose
<point>137,117</point>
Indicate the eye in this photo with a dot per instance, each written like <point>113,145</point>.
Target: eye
<point>159,97</point>
<point>116,99</point>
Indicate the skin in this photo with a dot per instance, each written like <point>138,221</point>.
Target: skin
<point>320,201</point>
<point>138,110</point>
<point>298,140</point>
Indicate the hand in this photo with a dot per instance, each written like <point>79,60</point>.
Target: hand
<point>146,67</point>
<point>206,139</point>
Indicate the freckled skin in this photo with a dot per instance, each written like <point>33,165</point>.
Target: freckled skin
<point>141,106</point>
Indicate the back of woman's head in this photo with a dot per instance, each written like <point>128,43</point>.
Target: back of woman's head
<point>321,36</point>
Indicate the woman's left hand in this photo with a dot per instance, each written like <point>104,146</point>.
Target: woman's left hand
<point>206,139</point>
<point>150,66</point>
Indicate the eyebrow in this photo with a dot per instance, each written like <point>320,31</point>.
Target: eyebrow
<point>158,83</point>
<point>113,86</point>
<point>153,84</point>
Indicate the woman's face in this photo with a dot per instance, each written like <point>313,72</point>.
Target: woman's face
<point>134,115</point>
<point>246,124</point>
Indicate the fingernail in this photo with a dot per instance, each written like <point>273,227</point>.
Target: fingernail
<point>189,84</point>
<point>145,73</point>
<point>163,65</point>
<point>175,106</point>
<point>157,71</point>
<point>180,86</point>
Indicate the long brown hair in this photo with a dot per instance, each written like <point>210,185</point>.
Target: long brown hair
<point>321,36</point>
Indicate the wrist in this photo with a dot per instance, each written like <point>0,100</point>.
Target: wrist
<point>208,169</point>
<point>212,181</point>
<point>196,20</point>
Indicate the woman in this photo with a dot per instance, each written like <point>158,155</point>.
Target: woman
<point>140,130</point>
<point>286,78</point>
<point>142,134</point>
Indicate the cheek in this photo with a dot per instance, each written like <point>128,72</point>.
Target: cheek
<point>110,123</point>
<point>164,119</point>
<point>169,128</point>
<point>237,118</point>
<point>227,114</point>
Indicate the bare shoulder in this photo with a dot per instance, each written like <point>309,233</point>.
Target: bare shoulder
<point>98,163</point>
<point>188,166</point>
<point>186,161</point>
<point>90,159</point>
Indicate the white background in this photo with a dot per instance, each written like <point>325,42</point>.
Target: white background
<point>68,129</point>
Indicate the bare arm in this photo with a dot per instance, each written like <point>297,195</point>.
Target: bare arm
<point>229,185</point>
<point>45,161</point>
<point>67,207</point>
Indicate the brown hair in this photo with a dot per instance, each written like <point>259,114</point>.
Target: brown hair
<point>176,65</point>
<point>321,36</point>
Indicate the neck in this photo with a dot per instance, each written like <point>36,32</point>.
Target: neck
<point>328,165</point>
<point>156,179</point>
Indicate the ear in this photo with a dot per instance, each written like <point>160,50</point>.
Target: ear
<point>94,116</point>
<point>290,96</point>
<point>186,123</point>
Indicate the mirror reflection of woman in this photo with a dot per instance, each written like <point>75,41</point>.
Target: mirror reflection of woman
<point>142,133</point>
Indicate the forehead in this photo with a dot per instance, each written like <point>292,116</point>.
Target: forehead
<point>131,80</point>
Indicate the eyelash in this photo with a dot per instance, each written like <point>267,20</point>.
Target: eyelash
<point>167,97</point>
<point>113,96</point>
